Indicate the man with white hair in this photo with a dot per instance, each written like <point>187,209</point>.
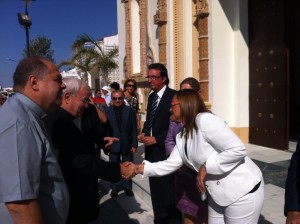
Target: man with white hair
<point>80,166</point>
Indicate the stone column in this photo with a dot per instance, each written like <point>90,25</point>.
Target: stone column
<point>128,58</point>
<point>143,36</point>
<point>160,18</point>
<point>202,12</point>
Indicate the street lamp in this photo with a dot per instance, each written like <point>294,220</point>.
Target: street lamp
<point>25,21</point>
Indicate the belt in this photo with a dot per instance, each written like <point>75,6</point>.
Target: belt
<point>255,188</point>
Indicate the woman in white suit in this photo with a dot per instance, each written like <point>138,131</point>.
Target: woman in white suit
<point>226,174</point>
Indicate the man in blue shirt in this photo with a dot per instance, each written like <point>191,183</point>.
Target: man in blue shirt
<point>32,188</point>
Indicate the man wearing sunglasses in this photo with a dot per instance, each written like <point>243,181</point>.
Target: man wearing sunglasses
<point>122,120</point>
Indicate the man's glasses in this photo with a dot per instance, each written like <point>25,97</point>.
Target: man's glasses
<point>84,99</point>
<point>117,98</point>
<point>153,77</point>
<point>128,85</point>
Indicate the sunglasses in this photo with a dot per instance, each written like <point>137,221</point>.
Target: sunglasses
<point>117,98</point>
<point>153,77</point>
<point>128,85</point>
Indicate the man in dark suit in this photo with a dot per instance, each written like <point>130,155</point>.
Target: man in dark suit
<point>122,122</point>
<point>154,134</point>
<point>292,189</point>
<point>77,159</point>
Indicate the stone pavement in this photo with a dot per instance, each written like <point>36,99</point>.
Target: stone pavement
<point>129,210</point>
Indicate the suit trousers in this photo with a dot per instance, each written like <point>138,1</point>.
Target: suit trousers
<point>246,210</point>
<point>119,157</point>
<point>163,200</point>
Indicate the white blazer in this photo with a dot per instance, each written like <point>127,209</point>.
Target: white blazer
<point>231,174</point>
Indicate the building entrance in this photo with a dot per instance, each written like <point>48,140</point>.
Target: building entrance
<point>274,72</point>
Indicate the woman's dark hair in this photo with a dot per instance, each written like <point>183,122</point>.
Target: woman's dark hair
<point>194,83</point>
<point>134,83</point>
<point>191,104</point>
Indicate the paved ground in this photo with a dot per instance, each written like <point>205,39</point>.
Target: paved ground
<point>137,209</point>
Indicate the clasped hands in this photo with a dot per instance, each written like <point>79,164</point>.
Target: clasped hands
<point>130,170</point>
<point>147,140</point>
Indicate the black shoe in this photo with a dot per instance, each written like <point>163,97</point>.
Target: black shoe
<point>129,192</point>
<point>114,193</point>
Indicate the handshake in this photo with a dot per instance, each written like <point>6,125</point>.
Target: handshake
<point>130,170</point>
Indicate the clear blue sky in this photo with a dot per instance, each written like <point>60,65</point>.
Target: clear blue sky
<point>59,20</point>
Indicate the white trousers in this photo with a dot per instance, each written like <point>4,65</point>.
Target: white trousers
<point>244,211</point>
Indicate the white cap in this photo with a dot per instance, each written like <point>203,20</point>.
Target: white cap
<point>73,73</point>
<point>105,88</point>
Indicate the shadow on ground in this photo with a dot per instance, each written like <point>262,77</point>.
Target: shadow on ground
<point>116,210</point>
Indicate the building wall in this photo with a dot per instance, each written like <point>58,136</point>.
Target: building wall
<point>228,52</point>
<point>229,65</point>
<point>121,36</point>
<point>136,68</point>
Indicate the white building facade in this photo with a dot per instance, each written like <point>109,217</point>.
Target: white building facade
<point>95,80</point>
<point>209,40</point>
<point>175,37</point>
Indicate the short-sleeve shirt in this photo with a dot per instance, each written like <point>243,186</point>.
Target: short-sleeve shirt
<point>28,165</point>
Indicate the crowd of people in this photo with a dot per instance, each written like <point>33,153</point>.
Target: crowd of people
<point>53,129</point>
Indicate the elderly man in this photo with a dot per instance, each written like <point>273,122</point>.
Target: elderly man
<point>80,166</point>
<point>32,188</point>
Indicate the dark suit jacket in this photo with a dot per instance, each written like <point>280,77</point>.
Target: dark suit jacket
<point>127,134</point>
<point>292,184</point>
<point>80,166</point>
<point>160,126</point>
<point>92,128</point>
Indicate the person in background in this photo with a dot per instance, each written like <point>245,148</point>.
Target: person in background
<point>131,98</point>
<point>292,190</point>
<point>188,198</point>
<point>122,121</point>
<point>106,95</point>
<point>80,166</point>
<point>154,135</point>
<point>2,99</point>
<point>98,100</point>
<point>32,189</point>
<point>231,180</point>
<point>114,86</point>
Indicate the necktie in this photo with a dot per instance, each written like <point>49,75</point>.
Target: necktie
<point>151,115</point>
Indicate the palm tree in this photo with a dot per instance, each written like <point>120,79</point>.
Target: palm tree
<point>92,57</point>
<point>85,64</point>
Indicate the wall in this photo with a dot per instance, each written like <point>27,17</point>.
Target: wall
<point>229,66</point>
